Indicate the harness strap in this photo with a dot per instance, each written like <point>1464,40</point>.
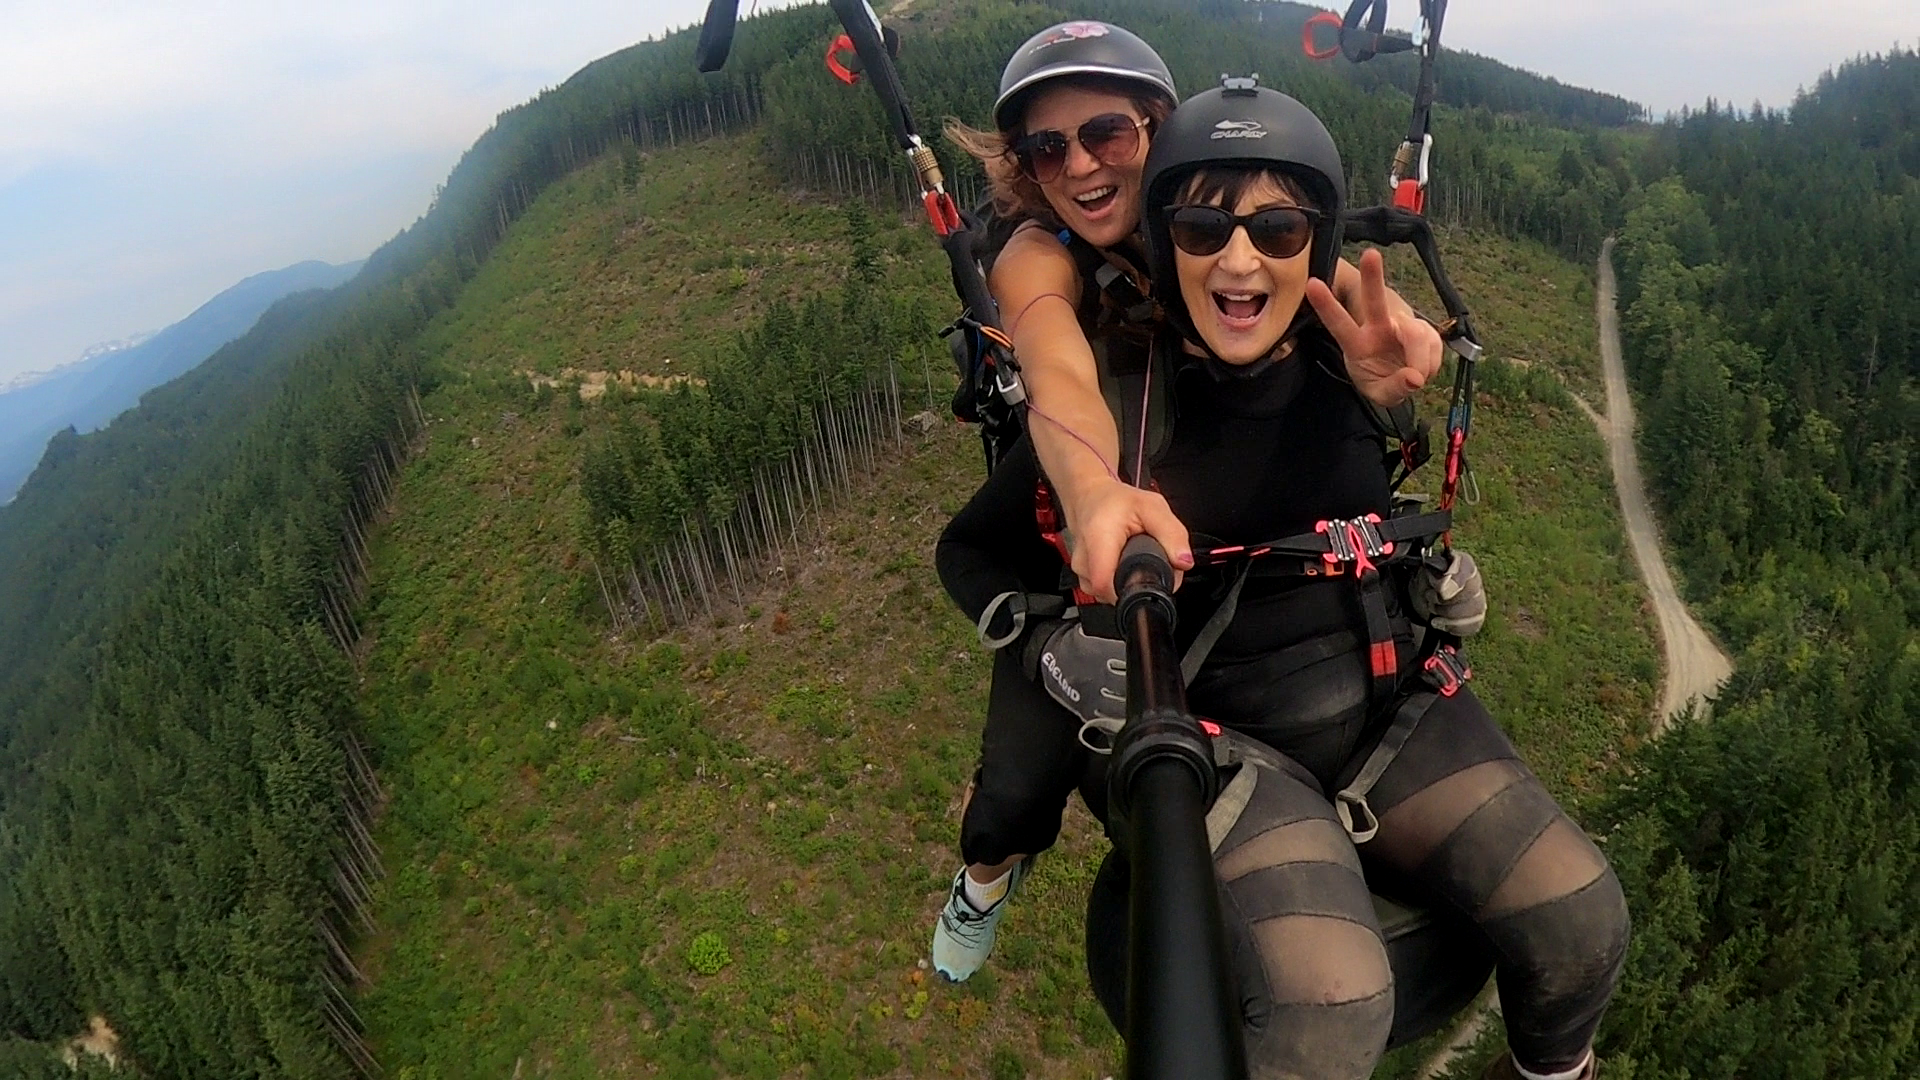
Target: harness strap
<point>1135,399</point>
<point>1383,654</point>
<point>1210,633</point>
<point>1023,608</point>
<point>1323,542</point>
<point>1351,801</point>
<point>1230,804</point>
<point>1016,605</point>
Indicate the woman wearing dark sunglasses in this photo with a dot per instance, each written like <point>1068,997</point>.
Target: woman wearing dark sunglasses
<point>1078,108</point>
<point>1269,438</point>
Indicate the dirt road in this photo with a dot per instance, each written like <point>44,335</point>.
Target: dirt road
<point>1695,666</point>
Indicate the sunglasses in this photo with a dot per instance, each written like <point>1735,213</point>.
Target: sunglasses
<point>1111,138</point>
<point>1280,233</point>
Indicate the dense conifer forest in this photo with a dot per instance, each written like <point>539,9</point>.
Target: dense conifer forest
<point>184,790</point>
<point>1769,318</point>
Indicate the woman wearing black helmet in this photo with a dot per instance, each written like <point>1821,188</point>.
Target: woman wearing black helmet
<point>1243,195</point>
<point>1077,109</point>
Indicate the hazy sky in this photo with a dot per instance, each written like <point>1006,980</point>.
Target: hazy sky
<point>153,154</point>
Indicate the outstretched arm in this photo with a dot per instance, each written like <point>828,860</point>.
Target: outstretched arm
<point>1074,434</point>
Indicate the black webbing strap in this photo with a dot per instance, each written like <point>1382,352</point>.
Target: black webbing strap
<point>1121,319</point>
<point>1210,633</point>
<point>1363,45</point>
<point>1432,13</point>
<point>1128,378</point>
<point>1361,546</point>
<point>1107,280</point>
<point>1351,801</point>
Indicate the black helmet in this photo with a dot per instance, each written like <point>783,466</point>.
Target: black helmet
<point>1241,124</point>
<point>1079,48</point>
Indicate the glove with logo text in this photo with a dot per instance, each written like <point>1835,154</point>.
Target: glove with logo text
<point>1087,675</point>
<point>1449,596</point>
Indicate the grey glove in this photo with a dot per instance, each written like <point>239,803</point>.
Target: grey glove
<point>1087,675</point>
<point>1452,598</point>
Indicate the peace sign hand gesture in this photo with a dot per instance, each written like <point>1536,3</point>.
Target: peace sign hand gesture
<point>1390,351</point>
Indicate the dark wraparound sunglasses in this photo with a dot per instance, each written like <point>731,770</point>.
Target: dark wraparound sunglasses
<point>1112,139</point>
<point>1280,232</point>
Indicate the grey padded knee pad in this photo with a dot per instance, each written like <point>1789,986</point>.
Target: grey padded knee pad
<point>1319,1042</point>
<point>1559,962</point>
<point>1294,875</point>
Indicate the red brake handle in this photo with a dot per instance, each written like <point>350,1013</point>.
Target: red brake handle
<point>1324,18</point>
<point>841,44</point>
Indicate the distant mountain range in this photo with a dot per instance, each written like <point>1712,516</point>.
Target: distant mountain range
<point>93,352</point>
<point>109,379</point>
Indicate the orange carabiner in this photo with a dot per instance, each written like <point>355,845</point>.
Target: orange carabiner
<point>1324,18</point>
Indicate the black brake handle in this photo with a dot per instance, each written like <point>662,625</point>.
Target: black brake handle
<point>1386,225</point>
<point>716,35</point>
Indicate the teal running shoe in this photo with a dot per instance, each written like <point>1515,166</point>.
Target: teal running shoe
<point>963,938</point>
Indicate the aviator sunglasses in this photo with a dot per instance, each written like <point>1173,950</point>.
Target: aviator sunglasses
<point>1280,232</point>
<point>1111,138</point>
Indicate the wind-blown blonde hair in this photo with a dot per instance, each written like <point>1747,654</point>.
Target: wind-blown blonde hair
<point>1015,196</point>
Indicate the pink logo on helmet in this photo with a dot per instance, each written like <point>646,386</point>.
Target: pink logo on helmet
<point>1073,31</point>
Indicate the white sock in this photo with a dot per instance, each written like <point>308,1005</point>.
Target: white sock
<point>984,894</point>
<point>1571,1074</point>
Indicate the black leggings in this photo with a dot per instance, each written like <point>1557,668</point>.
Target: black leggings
<point>1463,823</point>
<point>1030,762</point>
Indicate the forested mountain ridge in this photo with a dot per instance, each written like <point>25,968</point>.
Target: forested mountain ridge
<point>88,394</point>
<point>220,706</point>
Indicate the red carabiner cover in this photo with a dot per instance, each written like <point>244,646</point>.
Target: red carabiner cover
<point>1409,195</point>
<point>942,212</point>
<point>1324,18</point>
<point>841,44</point>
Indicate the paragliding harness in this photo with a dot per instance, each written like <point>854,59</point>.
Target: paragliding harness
<point>1136,379</point>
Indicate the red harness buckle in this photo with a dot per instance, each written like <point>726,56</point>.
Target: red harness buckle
<point>1447,671</point>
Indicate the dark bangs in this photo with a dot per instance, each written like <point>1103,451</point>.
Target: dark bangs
<point>1224,185</point>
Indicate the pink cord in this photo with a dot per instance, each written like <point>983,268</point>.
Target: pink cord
<point>1097,456</point>
<point>1023,311</point>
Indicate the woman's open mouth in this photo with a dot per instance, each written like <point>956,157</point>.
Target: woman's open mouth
<point>1239,310</point>
<point>1098,200</point>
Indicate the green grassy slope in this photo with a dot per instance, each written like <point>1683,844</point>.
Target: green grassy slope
<point>581,827</point>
